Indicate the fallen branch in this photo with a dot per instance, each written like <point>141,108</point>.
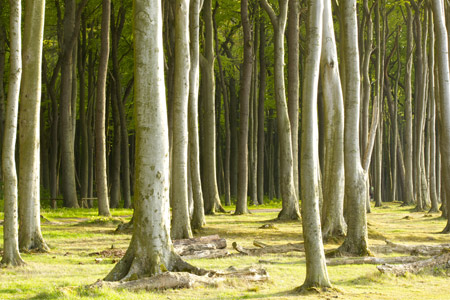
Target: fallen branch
<point>423,250</point>
<point>369,260</point>
<point>265,249</point>
<point>442,261</point>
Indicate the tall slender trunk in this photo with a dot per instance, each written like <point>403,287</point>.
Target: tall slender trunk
<point>198,218</point>
<point>100,114</point>
<point>210,190</point>
<point>30,236</point>
<point>181,227</point>
<point>409,189</point>
<point>333,223</point>
<point>316,270</point>
<point>290,210</point>
<point>356,241</point>
<point>244,96</point>
<point>293,82</point>
<point>262,91</point>
<point>11,255</point>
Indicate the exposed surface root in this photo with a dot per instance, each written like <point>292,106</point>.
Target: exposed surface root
<point>179,280</point>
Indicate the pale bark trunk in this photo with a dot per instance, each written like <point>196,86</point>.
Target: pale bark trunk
<point>11,255</point>
<point>210,190</point>
<point>316,270</point>
<point>356,242</point>
<point>181,227</point>
<point>30,236</point>
<point>444,96</point>
<point>198,218</point>
<point>333,223</point>
<point>244,96</point>
<point>293,82</point>
<point>262,90</point>
<point>290,210</point>
<point>68,185</point>
<point>409,190</point>
<point>151,251</point>
<point>432,119</point>
<point>100,118</point>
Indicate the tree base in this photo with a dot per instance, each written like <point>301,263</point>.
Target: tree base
<point>179,280</point>
<point>14,261</point>
<point>349,250</point>
<point>286,215</point>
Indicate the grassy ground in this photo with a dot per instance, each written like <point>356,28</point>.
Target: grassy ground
<point>74,234</point>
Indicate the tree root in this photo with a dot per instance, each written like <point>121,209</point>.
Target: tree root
<point>179,280</point>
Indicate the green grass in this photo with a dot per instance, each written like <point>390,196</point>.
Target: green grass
<point>74,234</point>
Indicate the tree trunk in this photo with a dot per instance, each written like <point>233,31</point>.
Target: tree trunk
<point>409,191</point>
<point>293,82</point>
<point>316,270</point>
<point>210,190</point>
<point>198,218</point>
<point>151,251</point>
<point>444,97</point>
<point>290,210</point>
<point>66,133</point>
<point>11,255</point>
<point>30,236</point>
<point>262,91</point>
<point>333,223</point>
<point>244,96</point>
<point>100,115</point>
<point>181,227</point>
<point>356,242</point>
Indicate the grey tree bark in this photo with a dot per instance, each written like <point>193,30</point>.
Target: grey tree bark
<point>198,218</point>
<point>181,227</point>
<point>333,223</point>
<point>244,95</point>
<point>262,90</point>
<point>30,236</point>
<point>151,250</point>
<point>444,96</point>
<point>11,255</point>
<point>356,241</point>
<point>316,270</point>
<point>100,114</point>
<point>293,81</point>
<point>290,207</point>
<point>210,190</point>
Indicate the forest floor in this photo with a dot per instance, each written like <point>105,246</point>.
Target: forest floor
<point>76,238</point>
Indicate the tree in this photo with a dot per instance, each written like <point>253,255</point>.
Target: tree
<point>198,218</point>
<point>444,95</point>
<point>290,210</point>
<point>209,180</point>
<point>181,227</point>
<point>333,223</point>
<point>355,182</point>
<point>150,251</point>
<point>30,236</point>
<point>316,270</point>
<point>100,139</point>
<point>244,96</point>
<point>11,255</point>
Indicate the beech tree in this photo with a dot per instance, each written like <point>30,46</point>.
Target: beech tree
<point>316,270</point>
<point>181,227</point>
<point>30,236</point>
<point>290,210</point>
<point>100,146</point>
<point>11,255</point>
<point>150,251</point>
<point>356,241</point>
